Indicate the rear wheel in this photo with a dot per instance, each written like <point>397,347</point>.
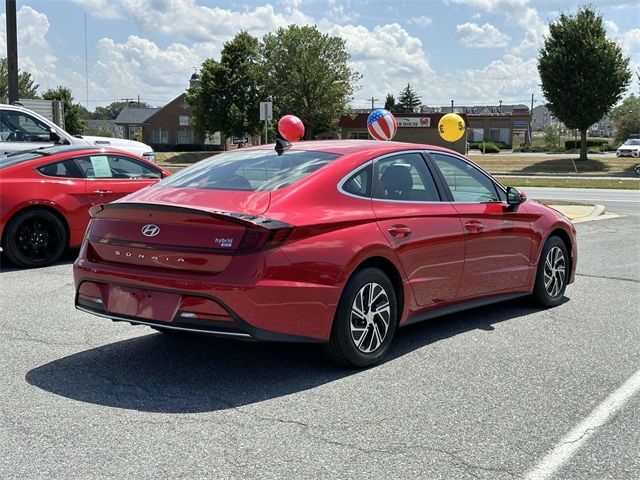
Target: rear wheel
<point>365,320</point>
<point>553,273</point>
<point>35,238</point>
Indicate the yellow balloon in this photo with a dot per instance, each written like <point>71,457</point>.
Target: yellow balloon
<point>451,127</point>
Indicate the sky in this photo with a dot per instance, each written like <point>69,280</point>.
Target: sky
<point>475,52</point>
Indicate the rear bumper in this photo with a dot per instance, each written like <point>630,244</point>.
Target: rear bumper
<point>268,310</point>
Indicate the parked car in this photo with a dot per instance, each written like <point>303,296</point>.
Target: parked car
<point>630,148</point>
<point>335,242</point>
<point>45,196</point>
<point>23,129</point>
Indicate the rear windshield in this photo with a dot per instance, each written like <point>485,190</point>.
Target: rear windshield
<point>250,170</point>
<point>19,157</point>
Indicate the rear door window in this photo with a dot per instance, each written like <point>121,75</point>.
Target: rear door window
<point>67,169</point>
<point>404,177</point>
<point>250,170</point>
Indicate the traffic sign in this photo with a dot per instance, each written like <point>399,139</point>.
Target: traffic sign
<point>240,141</point>
<point>266,111</point>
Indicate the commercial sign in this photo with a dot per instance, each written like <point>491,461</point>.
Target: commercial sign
<point>520,123</point>
<point>414,122</point>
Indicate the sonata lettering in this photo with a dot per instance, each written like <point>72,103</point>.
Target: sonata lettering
<point>156,258</point>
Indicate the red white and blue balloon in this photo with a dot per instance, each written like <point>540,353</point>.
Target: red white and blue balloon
<point>382,125</point>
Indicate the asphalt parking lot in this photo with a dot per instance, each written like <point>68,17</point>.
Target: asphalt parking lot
<point>483,394</point>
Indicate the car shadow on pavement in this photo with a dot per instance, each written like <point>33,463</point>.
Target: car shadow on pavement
<point>67,259</point>
<point>177,373</point>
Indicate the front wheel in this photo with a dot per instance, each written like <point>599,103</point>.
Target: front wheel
<point>35,238</point>
<point>552,274</point>
<point>365,320</point>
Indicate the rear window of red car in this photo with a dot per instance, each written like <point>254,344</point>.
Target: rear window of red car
<point>250,170</point>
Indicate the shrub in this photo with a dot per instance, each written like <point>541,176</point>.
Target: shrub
<point>575,145</point>
<point>490,147</point>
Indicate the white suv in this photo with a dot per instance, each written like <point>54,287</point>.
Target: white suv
<point>22,129</point>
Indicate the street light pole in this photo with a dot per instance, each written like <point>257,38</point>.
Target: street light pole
<point>12,51</point>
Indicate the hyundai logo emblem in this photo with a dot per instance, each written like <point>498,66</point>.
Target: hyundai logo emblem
<point>150,230</point>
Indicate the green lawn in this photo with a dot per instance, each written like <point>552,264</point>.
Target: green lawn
<point>555,164</point>
<point>623,184</point>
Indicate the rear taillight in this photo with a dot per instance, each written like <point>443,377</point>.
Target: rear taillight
<point>259,239</point>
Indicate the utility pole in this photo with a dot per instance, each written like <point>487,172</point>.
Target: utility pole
<point>452,106</point>
<point>128,100</point>
<point>12,51</point>
<point>138,100</point>
<point>530,122</point>
<point>86,60</point>
<point>373,103</point>
<point>500,109</point>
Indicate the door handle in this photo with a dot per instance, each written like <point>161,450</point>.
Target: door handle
<point>474,226</point>
<point>102,192</point>
<point>400,231</point>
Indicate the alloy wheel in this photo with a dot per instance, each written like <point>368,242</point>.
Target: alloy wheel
<point>370,317</point>
<point>554,271</point>
<point>37,239</point>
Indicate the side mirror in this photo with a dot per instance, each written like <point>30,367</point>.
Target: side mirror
<point>53,136</point>
<point>515,196</point>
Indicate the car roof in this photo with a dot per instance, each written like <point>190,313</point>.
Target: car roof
<point>343,147</point>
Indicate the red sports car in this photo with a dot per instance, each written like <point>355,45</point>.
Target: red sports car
<point>45,196</point>
<point>335,242</point>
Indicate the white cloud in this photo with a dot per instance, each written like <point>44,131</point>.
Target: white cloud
<point>631,42</point>
<point>107,9</point>
<point>481,36</point>
<point>612,28</point>
<point>516,12</point>
<point>422,21</point>
<point>34,52</point>
<point>188,20</point>
<point>140,66</point>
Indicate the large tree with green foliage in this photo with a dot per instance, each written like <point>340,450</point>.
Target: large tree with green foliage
<point>72,112</point>
<point>583,73</point>
<point>227,98</point>
<point>626,118</point>
<point>390,102</point>
<point>408,99</point>
<point>307,74</point>
<point>27,87</point>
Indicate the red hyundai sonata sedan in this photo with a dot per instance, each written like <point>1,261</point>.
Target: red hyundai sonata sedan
<point>335,242</point>
<point>45,196</point>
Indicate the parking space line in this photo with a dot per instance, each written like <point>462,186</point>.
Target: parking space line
<point>571,443</point>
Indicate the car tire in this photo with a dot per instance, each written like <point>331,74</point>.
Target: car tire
<point>637,170</point>
<point>35,238</point>
<point>365,320</point>
<point>552,274</point>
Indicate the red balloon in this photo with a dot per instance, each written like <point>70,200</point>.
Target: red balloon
<point>291,128</point>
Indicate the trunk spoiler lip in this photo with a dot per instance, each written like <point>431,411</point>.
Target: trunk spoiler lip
<point>235,217</point>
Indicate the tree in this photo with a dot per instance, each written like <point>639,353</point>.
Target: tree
<point>27,87</point>
<point>227,98</point>
<point>390,103</point>
<point>111,111</point>
<point>72,121</point>
<point>408,99</point>
<point>551,136</point>
<point>307,74</point>
<point>583,73</point>
<point>626,118</point>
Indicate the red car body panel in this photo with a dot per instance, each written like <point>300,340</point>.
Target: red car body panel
<point>23,186</point>
<point>290,287</point>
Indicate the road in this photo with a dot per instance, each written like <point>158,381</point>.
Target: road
<point>483,394</point>
<point>618,201</point>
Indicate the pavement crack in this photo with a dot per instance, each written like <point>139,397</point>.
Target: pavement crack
<point>622,279</point>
